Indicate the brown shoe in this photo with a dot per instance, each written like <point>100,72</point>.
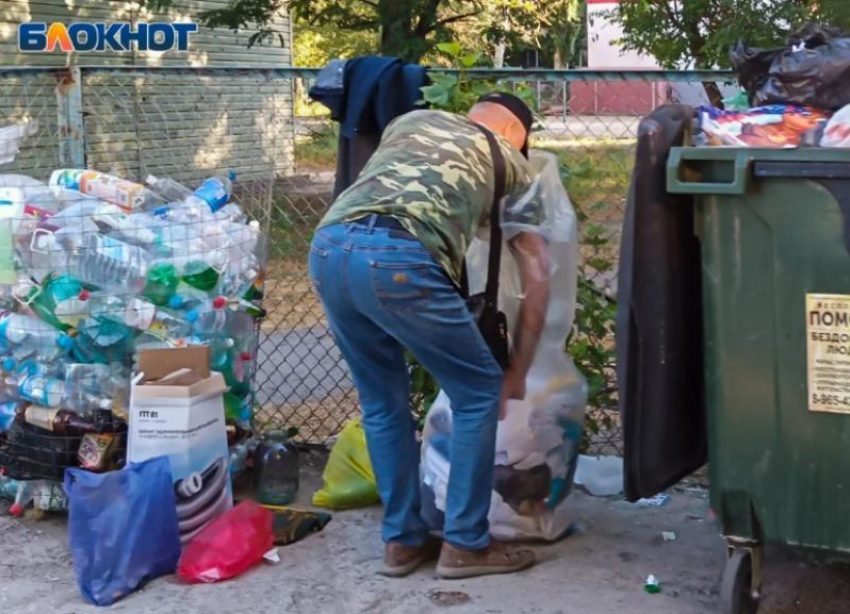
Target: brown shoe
<point>496,558</point>
<point>401,560</point>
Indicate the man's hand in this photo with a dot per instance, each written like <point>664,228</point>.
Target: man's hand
<point>513,389</point>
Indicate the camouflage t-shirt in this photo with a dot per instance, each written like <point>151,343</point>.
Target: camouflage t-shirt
<point>434,173</point>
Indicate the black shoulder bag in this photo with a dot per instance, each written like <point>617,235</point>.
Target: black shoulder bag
<point>485,307</point>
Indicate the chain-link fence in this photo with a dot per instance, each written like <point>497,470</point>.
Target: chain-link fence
<point>190,123</point>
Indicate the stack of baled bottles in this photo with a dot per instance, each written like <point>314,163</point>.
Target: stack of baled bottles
<point>93,269</point>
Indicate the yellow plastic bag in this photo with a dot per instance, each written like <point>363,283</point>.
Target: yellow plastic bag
<point>348,478</point>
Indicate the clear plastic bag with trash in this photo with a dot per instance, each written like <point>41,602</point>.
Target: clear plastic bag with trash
<point>537,444</point>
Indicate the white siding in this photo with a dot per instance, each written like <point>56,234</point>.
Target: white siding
<point>183,124</point>
<point>208,47</point>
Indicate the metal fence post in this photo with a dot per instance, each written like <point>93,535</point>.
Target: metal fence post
<point>69,100</point>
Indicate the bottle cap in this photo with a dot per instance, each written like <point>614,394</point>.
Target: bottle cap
<point>245,356</point>
<point>84,295</point>
<point>9,364</point>
<point>175,302</point>
<point>192,316</point>
<point>65,342</point>
<point>231,174</point>
<point>219,302</point>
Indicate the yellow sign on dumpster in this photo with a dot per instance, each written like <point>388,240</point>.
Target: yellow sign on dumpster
<point>828,339</point>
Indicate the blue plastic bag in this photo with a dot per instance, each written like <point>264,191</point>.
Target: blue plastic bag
<point>122,528</point>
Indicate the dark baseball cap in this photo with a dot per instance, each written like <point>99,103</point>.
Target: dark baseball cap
<point>516,106</point>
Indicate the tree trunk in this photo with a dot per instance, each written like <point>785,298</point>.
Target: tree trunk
<point>715,96</point>
<point>499,57</point>
<point>558,60</point>
<point>399,36</point>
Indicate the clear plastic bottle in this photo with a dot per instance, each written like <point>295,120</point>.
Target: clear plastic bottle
<point>43,254</point>
<point>8,412</point>
<point>109,263</point>
<point>103,340</point>
<point>209,319</point>
<point>89,388</point>
<point>137,313</point>
<point>23,497</point>
<point>276,470</point>
<point>42,390</point>
<point>170,190</point>
<point>27,336</point>
<point>214,192</point>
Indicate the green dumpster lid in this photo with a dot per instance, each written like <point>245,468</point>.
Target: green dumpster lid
<point>729,170</point>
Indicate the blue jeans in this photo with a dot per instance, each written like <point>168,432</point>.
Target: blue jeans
<point>382,294</point>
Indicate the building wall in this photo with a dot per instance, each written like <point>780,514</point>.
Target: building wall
<point>603,53</point>
<point>185,124</point>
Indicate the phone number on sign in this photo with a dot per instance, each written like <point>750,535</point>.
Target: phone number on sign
<point>832,400</point>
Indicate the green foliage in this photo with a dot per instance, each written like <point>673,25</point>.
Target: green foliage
<point>680,33</point>
<point>596,178</point>
<point>317,45</point>
<point>458,92</point>
<point>591,341</point>
<point>409,29</point>
<point>319,149</point>
<point>700,33</point>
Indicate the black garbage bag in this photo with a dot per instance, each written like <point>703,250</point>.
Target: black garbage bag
<point>813,70</point>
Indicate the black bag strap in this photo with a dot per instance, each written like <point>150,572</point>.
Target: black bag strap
<point>491,291</point>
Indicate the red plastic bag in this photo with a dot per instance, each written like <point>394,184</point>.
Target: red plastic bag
<point>229,546</point>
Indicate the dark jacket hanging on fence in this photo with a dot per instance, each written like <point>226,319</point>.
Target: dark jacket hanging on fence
<point>365,94</point>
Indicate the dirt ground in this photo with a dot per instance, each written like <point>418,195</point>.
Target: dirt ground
<point>600,569</point>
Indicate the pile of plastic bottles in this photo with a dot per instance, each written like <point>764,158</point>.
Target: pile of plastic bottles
<point>94,268</point>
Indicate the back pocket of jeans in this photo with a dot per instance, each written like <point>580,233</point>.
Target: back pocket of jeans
<point>317,264</point>
<point>402,286</point>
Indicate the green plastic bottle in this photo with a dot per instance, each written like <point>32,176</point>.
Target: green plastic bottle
<point>161,284</point>
<point>200,275</point>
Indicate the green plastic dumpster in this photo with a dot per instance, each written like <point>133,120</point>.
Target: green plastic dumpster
<point>775,276</point>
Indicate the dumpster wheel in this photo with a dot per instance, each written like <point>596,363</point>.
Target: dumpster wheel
<point>737,594</point>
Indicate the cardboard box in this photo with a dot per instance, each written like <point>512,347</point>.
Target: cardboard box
<point>177,410</point>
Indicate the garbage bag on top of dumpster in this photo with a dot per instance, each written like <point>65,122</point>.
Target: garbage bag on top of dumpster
<point>538,441</point>
<point>122,528</point>
<point>812,70</point>
<point>659,318</point>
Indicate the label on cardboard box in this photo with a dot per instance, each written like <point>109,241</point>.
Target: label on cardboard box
<point>177,410</point>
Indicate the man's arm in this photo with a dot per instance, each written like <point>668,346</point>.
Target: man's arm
<point>532,257</point>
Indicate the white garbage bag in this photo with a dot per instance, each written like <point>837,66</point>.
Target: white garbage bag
<point>537,444</point>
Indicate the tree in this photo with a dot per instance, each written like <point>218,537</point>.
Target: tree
<point>409,29</point>
<point>700,33</point>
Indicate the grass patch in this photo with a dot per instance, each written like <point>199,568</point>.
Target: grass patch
<point>317,151</point>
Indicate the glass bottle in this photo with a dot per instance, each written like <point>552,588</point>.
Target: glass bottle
<point>276,470</point>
